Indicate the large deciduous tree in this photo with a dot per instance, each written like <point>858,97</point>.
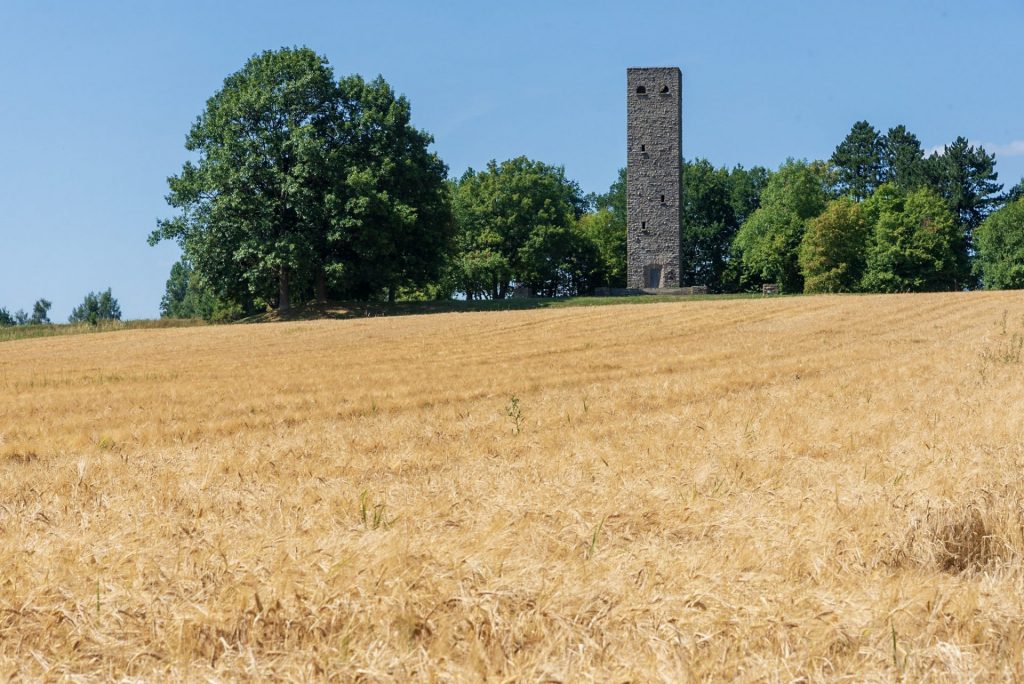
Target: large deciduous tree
<point>833,248</point>
<point>603,229</point>
<point>251,204</point>
<point>302,183</point>
<point>1000,244</point>
<point>914,244</point>
<point>504,213</point>
<point>708,223</point>
<point>768,242</point>
<point>606,228</point>
<point>390,214</point>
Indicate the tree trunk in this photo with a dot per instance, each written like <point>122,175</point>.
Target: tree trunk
<point>321,286</point>
<point>284,304</point>
<point>391,294</point>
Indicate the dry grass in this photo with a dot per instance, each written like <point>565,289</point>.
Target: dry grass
<point>821,488</point>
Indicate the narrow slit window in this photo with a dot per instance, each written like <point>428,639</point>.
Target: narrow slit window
<point>643,224</point>
<point>640,90</point>
<point>662,199</point>
<point>643,148</point>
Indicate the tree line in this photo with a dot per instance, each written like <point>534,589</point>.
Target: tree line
<point>305,187</point>
<point>96,307</point>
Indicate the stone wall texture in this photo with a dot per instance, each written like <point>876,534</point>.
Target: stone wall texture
<point>654,135</point>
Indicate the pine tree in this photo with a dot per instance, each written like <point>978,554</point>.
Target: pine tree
<point>858,161</point>
<point>902,159</point>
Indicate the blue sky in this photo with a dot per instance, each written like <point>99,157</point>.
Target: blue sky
<point>97,98</point>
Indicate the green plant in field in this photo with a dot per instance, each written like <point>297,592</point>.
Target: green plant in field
<point>592,549</point>
<point>515,413</point>
<point>374,516</point>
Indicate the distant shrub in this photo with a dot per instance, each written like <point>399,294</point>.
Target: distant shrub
<point>95,308</point>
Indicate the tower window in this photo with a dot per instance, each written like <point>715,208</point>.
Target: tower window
<point>640,90</point>
<point>643,224</point>
<point>643,148</point>
<point>664,90</point>
<point>662,199</point>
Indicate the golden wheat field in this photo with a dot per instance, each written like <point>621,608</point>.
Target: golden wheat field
<point>796,489</point>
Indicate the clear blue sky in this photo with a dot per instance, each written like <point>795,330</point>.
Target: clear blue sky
<point>96,97</point>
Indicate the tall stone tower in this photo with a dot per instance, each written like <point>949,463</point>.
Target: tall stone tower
<point>654,131</point>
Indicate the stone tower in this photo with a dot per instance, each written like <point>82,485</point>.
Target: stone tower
<point>654,132</point>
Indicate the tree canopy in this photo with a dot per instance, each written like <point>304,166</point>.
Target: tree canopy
<point>769,240</point>
<point>303,183</point>
<point>903,162</point>
<point>186,296</point>
<point>914,244</point>
<point>858,161</point>
<point>41,312</point>
<point>1000,243</point>
<point>506,213</point>
<point>40,315</point>
<point>96,307</point>
<point>832,252</point>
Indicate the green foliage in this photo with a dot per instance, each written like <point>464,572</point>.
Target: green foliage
<point>1015,193</point>
<point>606,228</point>
<point>914,245</point>
<point>832,252</point>
<point>858,161</point>
<point>561,261</point>
<point>40,312</point>
<point>515,413</point>
<point>504,213</point>
<point>39,316</point>
<point>1000,243</point>
<point>615,200</point>
<point>768,245</point>
<point>747,186</point>
<point>481,269</point>
<point>708,223</point>
<point>966,178</point>
<point>903,159</point>
<point>768,242</point>
<point>187,297</point>
<point>247,207</point>
<point>801,187</point>
<point>607,234</point>
<point>374,516</point>
<point>395,228</point>
<point>301,180</point>
<point>97,306</point>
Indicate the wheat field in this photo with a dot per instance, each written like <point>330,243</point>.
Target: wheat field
<point>794,489</point>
